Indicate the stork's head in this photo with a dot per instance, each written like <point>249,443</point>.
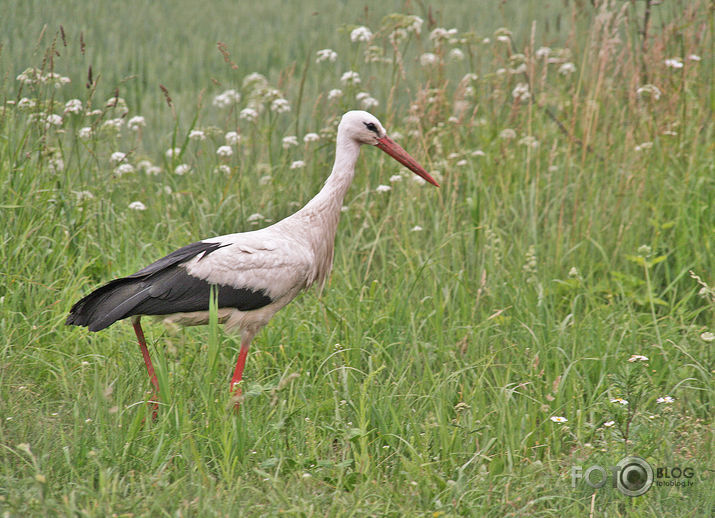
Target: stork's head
<point>364,128</point>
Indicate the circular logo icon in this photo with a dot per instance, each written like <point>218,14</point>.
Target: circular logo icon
<point>635,476</point>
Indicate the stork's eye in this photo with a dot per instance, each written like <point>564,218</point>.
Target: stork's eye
<point>371,126</point>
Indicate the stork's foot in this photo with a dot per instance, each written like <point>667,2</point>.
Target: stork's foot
<point>154,405</point>
<point>236,396</point>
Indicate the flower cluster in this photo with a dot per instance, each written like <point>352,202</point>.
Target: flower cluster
<point>227,99</point>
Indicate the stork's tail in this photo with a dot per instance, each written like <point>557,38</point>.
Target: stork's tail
<point>107,304</point>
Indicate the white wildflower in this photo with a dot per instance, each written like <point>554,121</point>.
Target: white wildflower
<point>255,217</point>
<point>428,59</point>
<point>83,195</point>
<point>227,98</point>
<point>248,114</point>
<point>637,358</point>
<point>172,152</point>
<point>360,34</point>
<point>326,55</point>
<point>461,163</point>
<point>650,91</point>
<point>507,134</point>
<point>117,157</point>
<point>73,106</point>
<point>567,68</point>
<point>350,78</point>
<point>290,141</point>
<point>29,76</point>
<point>440,34</point>
<point>521,92</point>
<point>335,93</point>
<point>224,151</point>
<point>123,169</point>
<point>136,122</point>
<point>254,81</point>
<point>182,169</point>
<point>366,101</point>
<point>608,424</point>
<point>298,164</point>
<point>416,228</point>
<point>137,205</point>
<point>542,52</point>
<point>674,63</point>
<point>478,152</point>
<point>311,137</point>
<point>529,141</point>
<point>232,138</point>
<point>643,146</point>
<point>694,57</point>
<point>26,103</point>
<point>415,24</point>
<point>223,168</point>
<point>85,133</point>
<point>383,188</point>
<point>619,401</point>
<point>665,399</point>
<point>53,120</point>
<point>197,135</point>
<point>114,124</point>
<point>707,336</point>
<point>56,165</point>
<point>558,419</point>
<point>456,55</point>
<point>268,93</point>
<point>395,178</point>
<point>280,106</point>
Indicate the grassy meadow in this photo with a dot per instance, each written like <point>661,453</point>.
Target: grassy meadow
<point>550,306</point>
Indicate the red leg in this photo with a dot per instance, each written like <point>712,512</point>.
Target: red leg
<point>136,322</point>
<point>240,364</point>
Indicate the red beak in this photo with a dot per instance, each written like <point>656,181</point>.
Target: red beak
<point>393,149</point>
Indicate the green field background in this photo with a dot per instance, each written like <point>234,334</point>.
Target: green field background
<point>474,343</point>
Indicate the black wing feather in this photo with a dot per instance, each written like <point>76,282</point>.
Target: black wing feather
<point>162,288</point>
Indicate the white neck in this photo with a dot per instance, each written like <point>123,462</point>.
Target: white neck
<point>337,184</point>
<point>318,220</point>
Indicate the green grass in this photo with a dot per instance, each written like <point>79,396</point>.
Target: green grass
<point>422,380</point>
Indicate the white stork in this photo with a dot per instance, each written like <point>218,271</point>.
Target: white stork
<point>255,273</point>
